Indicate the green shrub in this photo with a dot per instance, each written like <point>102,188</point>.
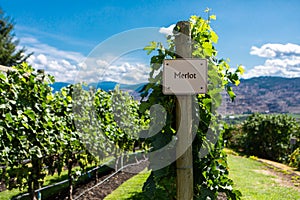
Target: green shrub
<point>294,160</point>
<point>268,136</point>
<point>232,136</point>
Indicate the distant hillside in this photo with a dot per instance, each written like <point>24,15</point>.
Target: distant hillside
<point>265,95</point>
<point>58,85</point>
<point>106,86</point>
<point>261,94</point>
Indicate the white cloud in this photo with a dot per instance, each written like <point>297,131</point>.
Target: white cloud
<point>275,50</point>
<point>102,63</point>
<point>70,66</point>
<point>63,65</point>
<point>125,69</point>
<point>125,73</point>
<point>262,52</point>
<point>42,59</point>
<point>167,30</point>
<point>281,60</point>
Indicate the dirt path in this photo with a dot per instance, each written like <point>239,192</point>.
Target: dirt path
<point>90,192</point>
<point>284,175</point>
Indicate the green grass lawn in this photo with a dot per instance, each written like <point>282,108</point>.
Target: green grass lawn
<point>8,194</point>
<point>249,178</point>
<point>246,174</point>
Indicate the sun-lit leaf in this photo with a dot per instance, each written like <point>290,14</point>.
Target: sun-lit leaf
<point>8,117</point>
<point>2,76</point>
<point>30,113</point>
<point>64,93</point>
<point>213,17</point>
<point>50,97</point>
<point>231,93</point>
<point>151,47</point>
<point>237,82</point>
<point>240,69</point>
<point>214,37</point>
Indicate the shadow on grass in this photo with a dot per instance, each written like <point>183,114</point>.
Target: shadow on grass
<point>138,196</point>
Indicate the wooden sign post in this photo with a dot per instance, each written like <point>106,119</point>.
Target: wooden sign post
<point>184,163</point>
<point>184,77</point>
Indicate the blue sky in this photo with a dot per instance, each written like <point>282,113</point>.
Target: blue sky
<point>262,35</point>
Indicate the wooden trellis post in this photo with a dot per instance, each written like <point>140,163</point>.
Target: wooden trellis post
<point>184,120</point>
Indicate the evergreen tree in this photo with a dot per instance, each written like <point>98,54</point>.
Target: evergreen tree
<point>9,53</point>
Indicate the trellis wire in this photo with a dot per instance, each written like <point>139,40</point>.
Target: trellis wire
<point>107,178</point>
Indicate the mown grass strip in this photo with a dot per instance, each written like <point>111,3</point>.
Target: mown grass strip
<point>130,188</point>
<point>249,179</point>
<point>8,194</point>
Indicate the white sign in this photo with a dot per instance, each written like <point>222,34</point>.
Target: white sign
<point>185,76</point>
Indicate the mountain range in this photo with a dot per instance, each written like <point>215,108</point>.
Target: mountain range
<point>260,94</point>
<point>264,95</point>
<point>105,85</point>
<point>133,90</point>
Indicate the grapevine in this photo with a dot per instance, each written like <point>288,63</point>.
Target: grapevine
<point>210,171</point>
